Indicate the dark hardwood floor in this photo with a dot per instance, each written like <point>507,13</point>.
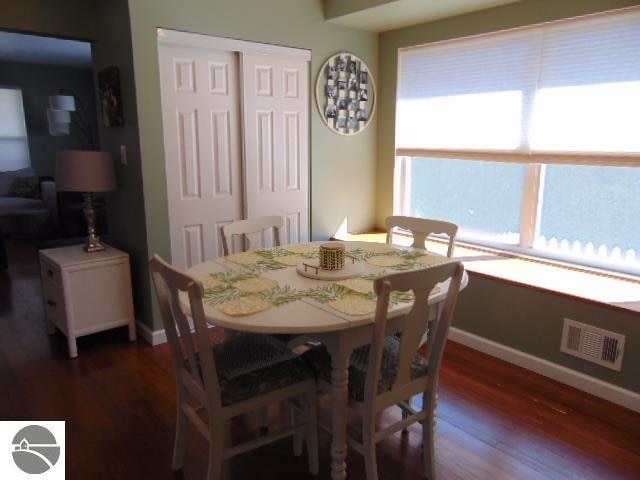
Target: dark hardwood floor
<point>496,421</point>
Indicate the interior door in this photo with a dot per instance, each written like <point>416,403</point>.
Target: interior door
<point>202,142</point>
<point>276,156</point>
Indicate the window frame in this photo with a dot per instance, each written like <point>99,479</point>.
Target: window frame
<point>24,138</point>
<point>530,216</point>
<point>535,162</point>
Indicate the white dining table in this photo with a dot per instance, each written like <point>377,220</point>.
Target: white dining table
<point>341,333</point>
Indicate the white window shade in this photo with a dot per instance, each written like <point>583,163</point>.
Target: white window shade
<point>588,97</point>
<point>535,94</point>
<point>14,149</point>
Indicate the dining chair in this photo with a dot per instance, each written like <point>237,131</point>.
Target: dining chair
<point>421,228</point>
<point>241,375</point>
<point>390,370</point>
<point>253,230</point>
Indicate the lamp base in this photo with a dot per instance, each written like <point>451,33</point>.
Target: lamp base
<point>94,247</point>
<point>93,240</point>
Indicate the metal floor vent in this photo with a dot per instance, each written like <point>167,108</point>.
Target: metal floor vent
<point>593,344</point>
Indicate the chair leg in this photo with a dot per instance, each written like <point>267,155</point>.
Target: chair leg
<point>312,432</point>
<point>216,449</point>
<point>428,440</point>
<point>369,449</point>
<point>293,421</point>
<point>180,442</point>
<point>264,419</point>
<point>405,414</point>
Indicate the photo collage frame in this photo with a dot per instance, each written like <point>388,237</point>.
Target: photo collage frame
<point>345,94</point>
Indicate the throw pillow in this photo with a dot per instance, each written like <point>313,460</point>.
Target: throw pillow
<point>25,187</point>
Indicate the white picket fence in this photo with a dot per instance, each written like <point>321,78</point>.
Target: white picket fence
<point>588,249</point>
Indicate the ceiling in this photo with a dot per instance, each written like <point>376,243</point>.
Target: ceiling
<point>18,47</point>
<point>383,15</point>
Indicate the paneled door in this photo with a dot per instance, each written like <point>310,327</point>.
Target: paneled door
<point>202,142</point>
<point>276,129</point>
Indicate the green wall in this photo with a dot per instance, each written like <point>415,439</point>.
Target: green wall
<point>342,168</point>
<point>522,318</point>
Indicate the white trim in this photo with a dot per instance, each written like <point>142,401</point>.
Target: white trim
<point>612,393</point>
<point>531,210</point>
<point>152,337</point>
<point>158,337</point>
<point>174,37</point>
<point>560,158</point>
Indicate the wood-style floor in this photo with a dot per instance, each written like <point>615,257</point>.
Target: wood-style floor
<point>496,421</point>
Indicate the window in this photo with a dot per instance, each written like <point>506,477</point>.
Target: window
<point>14,148</point>
<point>528,139</point>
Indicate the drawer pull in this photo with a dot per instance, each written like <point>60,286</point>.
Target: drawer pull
<point>51,303</point>
<point>49,273</point>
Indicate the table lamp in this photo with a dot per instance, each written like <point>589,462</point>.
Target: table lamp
<point>86,172</point>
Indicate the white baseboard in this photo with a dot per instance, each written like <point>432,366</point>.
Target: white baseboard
<point>620,396</point>
<point>153,337</point>
<point>593,386</point>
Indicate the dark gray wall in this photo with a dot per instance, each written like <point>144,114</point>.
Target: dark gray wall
<point>106,24</point>
<point>127,214</point>
<point>37,83</point>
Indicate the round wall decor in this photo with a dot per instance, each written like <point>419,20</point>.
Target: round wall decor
<point>346,94</point>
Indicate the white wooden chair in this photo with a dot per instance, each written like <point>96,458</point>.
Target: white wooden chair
<point>238,376</point>
<point>389,370</point>
<point>421,228</point>
<point>253,230</point>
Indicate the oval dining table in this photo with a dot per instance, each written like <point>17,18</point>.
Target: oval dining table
<point>340,332</point>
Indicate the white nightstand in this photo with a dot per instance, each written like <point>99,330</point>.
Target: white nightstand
<point>86,292</point>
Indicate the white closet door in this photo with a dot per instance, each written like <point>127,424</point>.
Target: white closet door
<point>202,139</point>
<point>276,122</point>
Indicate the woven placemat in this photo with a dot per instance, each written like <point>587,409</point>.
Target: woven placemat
<point>290,260</point>
<point>255,285</point>
<point>380,249</point>
<point>354,304</point>
<point>302,248</point>
<point>243,306</point>
<point>210,282</point>
<point>385,261</point>
<point>432,260</point>
<point>245,258</point>
<point>360,285</point>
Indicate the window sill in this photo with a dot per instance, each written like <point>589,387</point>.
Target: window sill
<point>600,287</point>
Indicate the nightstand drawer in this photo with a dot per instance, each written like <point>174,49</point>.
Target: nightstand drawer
<point>50,271</point>
<point>54,306</point>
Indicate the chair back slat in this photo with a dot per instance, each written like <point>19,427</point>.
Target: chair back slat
<point>414,323</point>
<point>253,231</point>
<point>194,348</point>
<point>421,228</point>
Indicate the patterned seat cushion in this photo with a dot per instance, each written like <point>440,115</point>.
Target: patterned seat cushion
<point>250,365</point>
<point>320,360</point>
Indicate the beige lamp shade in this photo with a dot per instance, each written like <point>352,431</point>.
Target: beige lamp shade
<point>84,171</point>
